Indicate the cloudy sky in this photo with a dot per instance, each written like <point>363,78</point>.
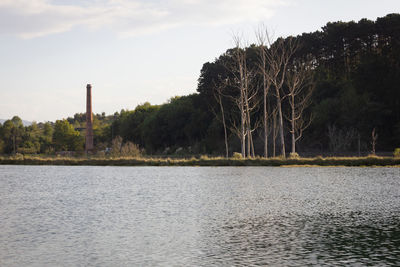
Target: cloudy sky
<point>133,51</point>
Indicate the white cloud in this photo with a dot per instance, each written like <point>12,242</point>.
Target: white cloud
<point>33,18</point>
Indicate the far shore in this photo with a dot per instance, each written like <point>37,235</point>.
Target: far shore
<point>369,161</point>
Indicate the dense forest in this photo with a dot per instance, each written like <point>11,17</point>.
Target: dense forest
<point>332,91</point>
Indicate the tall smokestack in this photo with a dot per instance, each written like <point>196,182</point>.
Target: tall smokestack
<point>89,119</point>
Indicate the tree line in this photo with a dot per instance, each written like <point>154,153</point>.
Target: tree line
<point>329,91</point>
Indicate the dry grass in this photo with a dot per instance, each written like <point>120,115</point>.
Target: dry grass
<point>200,161</point>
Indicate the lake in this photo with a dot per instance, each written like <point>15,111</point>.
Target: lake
<point>198,216</point>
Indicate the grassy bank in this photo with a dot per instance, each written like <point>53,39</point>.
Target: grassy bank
<point>201,161</point>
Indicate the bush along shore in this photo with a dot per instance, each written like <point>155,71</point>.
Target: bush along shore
<point>199,161</point>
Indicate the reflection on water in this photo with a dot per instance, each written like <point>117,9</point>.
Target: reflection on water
<point>107,216</point>
<point>302,241</point>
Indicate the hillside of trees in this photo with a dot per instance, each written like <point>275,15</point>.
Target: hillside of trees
<point>332,91</point>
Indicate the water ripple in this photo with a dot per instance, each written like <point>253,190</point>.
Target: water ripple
<point>177,216</point>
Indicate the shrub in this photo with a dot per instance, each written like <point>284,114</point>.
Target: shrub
<point>396,153</point>
<point>130,149</point>
<point>179,151</point>
<point>204,157</point>
<point>237,155</point>
<point>116,145</point>
<point>18,156</point>
<point>27,150</point>
<point>49,151</point>
<point>101,154</point>
<point>294,155</point>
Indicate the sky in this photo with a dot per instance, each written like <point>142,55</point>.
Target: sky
<point>136,51</point>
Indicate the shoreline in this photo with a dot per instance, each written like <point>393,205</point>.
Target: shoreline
<point>371,161</point>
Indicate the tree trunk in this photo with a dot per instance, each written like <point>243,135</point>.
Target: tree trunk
<point>247,108</point>
<point>265,111</point>
<point>242,104</point>
<point>274,134</point>
<point>293,126</point>
<point>224,123</point>
<point>248,143</point>
<point>293,140</point>
<point>265,126</point>
<point>248,122</point>
<point>278,98</point>
<point>253,154</point>
<point>14,145</point>
<point>243,134</point>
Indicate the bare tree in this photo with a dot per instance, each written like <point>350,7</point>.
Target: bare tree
<point>300,85</point>
<point>245,129</point>
<point>218,97</point>
<point>340,139</point>
<point>240,61</point>
<point>251,103</point>
<point>246,100</point>
<point>278,56</point>
<point>262,36</point>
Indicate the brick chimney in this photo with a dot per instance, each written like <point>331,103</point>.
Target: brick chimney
<point>89,119</point>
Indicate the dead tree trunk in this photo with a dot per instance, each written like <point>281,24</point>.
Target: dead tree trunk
<point>240,63</point>
<point>248,98</point>
<point>245,99</point>
<point>247,110</point>
<point>218,98</point>
<point>281,134</point>
<point>274,131</point>
<point>224,124</point>
<point>242,114</point>
<point>262,36</point>
<point>374,138</point>
<point>279,55</point>
<point>300,85</point>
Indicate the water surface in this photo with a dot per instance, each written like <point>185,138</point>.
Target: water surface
<point>198,216</point>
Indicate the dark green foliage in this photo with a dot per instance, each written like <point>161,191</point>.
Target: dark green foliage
<point>130,124</point>
<point>182,122</point>
<point>179,123</point>
<point>358,70</point>
<point>65,138</point>
<point>12,134</point>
